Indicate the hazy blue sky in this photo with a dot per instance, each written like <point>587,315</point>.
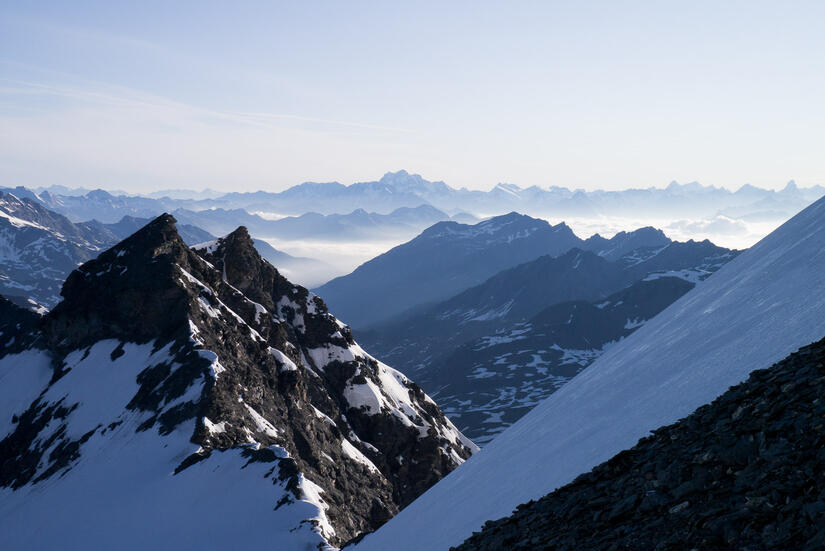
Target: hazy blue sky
<point>265,95</point>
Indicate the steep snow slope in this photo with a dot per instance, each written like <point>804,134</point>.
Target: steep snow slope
<point>743,472</point>
<point>756,310</point>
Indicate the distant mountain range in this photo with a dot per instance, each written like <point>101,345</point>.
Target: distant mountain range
<point>404,222</point>
<point>400,189</point>
<point>449,258</point>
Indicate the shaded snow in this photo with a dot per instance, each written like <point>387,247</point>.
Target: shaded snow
<point>286,363</point>
<point>355,454</point>
<point>261,423</point>
<point>22,377</point>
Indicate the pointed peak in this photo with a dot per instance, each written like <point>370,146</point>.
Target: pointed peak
<point>131,291</point>
<point>99,194</point>
<point>165,220</point>
<point>151,237</point>
<point>240,234</point>
<point>399,173</point>
<point>234,252</point>
<point>510,216</point>
<point>649,231</point>
<point>236,241</point>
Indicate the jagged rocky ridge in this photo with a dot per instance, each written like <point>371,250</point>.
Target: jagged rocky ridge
<point>209,360</point>
<point>39,248</point>
<point>743,472</point>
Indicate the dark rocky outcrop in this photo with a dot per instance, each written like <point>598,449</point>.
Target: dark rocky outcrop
<point>276,369</point>
<point>43,247</point>
<point>744,472</point>
<point>16,325</point>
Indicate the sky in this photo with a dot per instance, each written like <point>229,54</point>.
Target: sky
<point>245,95</point>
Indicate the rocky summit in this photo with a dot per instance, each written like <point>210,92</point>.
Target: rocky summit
<point>744,472</point>
<point>180,397</point>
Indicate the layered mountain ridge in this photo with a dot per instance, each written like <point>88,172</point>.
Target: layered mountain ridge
<point>443,260</point>
<point>494,351</point>
<point>756,310</point>
<point>205,383</point>
<point>401,189</point>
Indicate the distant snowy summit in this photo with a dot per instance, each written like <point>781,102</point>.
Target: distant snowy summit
<point>183,397</point>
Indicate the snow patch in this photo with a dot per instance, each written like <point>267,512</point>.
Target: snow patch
<point>355,454</point>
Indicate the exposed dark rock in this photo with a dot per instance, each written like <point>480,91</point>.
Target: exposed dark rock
<point>744,472</point>
<point>16,325</point>
<point>272,369</point>
<point>44,247</point>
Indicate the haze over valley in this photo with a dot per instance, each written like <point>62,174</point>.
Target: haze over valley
<point>314,221</point>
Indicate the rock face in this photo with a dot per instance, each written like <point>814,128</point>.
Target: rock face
<point>16,325</point>
<point>743,472</point>
<point>221,365</point>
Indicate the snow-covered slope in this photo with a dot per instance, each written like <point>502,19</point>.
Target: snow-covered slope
<point>756,310</point>
<point>180,398</point>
